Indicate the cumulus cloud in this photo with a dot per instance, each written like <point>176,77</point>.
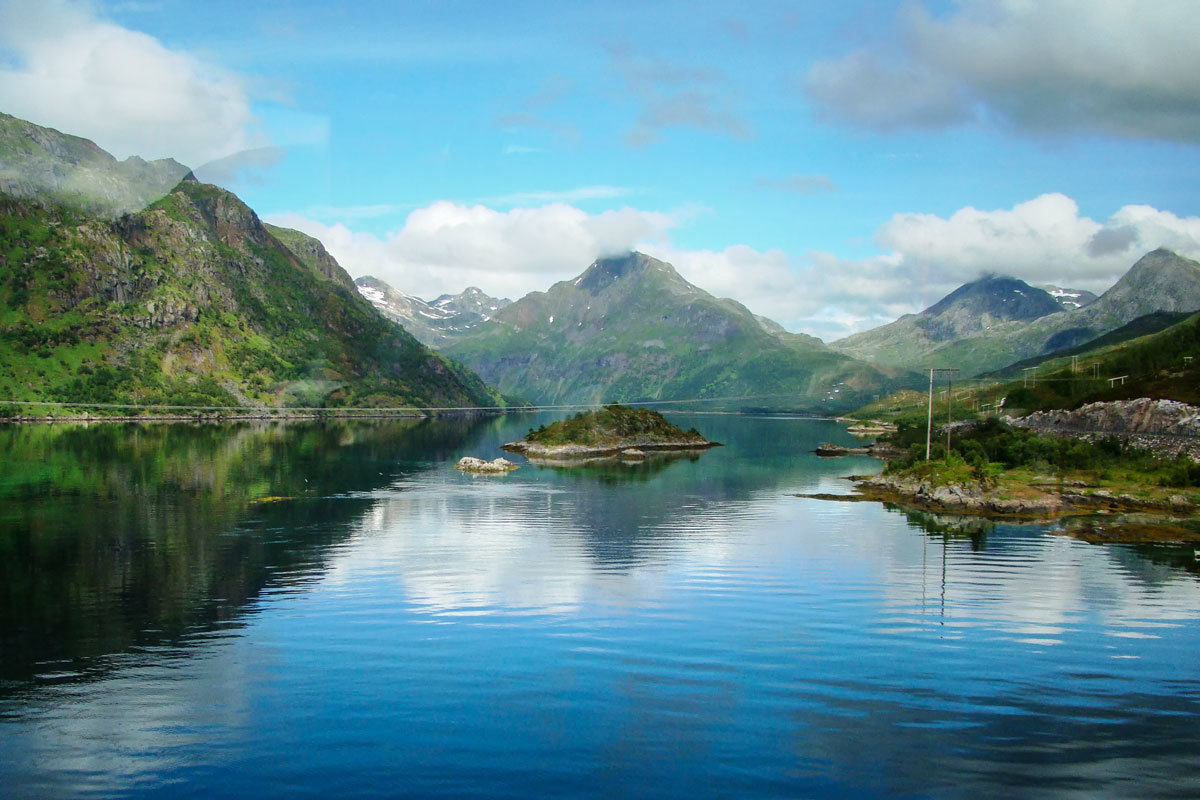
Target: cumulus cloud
<point>1123,68</point>
<point>1042,241</point>
<point>447,246</point>
<point>65,68</point>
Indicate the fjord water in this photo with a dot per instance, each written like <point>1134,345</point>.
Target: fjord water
<point>333,610</point>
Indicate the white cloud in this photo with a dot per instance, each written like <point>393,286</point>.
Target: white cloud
<point>1042,241</point>
<point>121,88</point>
<point>1121,67</point>
<point>447,246</point>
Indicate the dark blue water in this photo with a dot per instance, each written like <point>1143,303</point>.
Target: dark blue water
<point>333,610</point>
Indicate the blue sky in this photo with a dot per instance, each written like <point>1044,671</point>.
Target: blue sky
<point>829,165</point>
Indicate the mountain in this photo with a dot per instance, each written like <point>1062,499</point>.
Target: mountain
<point>436,324</point>
<point>313,255</point>
<point>1160,281</point>
<point>193,301</point>
<point>970,310</point>
<point>39,163</point>
<point>631,328</point>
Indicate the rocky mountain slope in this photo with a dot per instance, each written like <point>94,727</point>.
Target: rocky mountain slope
<point>43,164</point>
<point>1160,281</point>
<point>436,324</point>
<point>194,301</point>
<point>313,255</point>
<point>631,328</point>
<point>970,310</point>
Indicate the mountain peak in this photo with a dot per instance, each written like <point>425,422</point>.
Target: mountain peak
<point>448,317</point>
<point>1161,280</point>
<point>999,296</point>
<point>607,270</point>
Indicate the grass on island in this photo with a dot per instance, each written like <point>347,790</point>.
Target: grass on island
<point>1014,461</point>
<point>611,425</point>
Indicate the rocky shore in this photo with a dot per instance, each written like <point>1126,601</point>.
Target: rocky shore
<point>875,450</point>
<point>1047,499</point>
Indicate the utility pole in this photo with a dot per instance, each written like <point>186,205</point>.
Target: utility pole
<point>1096,370</point>
<point>949,402</point>
<point>949,406</point>
<point>1074,364</point>
<point>929,422</point>
<point>1027,370</point>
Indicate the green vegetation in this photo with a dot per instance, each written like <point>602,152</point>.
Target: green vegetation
<point>611,425</point>
<point>192,302</point>
<point>992,452</point>
<point>632,329</point>
<point>1161,365</point>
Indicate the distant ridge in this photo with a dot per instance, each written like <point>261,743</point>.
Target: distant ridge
<point>1161,280</point>
<point>435,324</point>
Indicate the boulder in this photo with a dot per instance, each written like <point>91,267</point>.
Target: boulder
<point>495,467</point>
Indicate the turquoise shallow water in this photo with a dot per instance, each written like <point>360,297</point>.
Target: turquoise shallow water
<point>333,610</point>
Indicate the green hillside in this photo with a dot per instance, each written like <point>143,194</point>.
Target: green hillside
<point>631,328</point>
<point>193,302</point>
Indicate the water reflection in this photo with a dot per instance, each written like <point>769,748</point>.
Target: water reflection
<point>116,536</point>
<point>692,630</point>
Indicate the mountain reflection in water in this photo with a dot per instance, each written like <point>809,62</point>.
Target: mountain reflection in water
<point>333,609</point>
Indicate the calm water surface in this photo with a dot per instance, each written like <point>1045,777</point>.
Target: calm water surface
<point>333,610</point>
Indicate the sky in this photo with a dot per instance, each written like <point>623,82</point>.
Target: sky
<point>830,165</point>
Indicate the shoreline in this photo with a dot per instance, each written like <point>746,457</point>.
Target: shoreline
<point>1025,500</point>
<point>579,452</point>
<point>281,416</point>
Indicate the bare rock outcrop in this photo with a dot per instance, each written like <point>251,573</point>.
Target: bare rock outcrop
<point>497,466</point>
<point>1165,427</point>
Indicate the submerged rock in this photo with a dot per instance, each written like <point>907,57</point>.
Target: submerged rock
<point>494,467</point>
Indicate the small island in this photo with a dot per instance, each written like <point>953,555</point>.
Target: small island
<point>1011,468</point>
<point>614,431</point>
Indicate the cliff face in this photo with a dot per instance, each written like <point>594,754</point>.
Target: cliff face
<point>194,301</point>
